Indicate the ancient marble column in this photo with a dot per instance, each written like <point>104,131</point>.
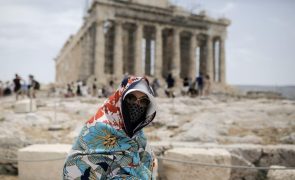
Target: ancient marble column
<point>148,62</point>
<point>118,51</point>
<point>88,55</point>
<point>215,73</point>
<point>138,51</point>
<point>158,52</point>
<point>176,54</point>
<point>192,64</point>
<point>209,58</point>
<point>99,51</point>
<point>74,71</point>
<point>222,70</point>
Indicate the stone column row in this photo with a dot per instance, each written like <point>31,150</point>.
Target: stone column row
<point>118,56</point>
<point>218,74</point>
<point>176,61</point>
<point>118,50</point>
<point>211,57</point>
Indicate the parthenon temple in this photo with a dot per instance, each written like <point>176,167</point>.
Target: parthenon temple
<point>143,37</point>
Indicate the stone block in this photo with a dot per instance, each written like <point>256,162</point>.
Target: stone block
<point>55,154</point>
<point>242,174</point>
<point>280,174</point>
<point>282,155</point>
<point>245,155</point>
<point>185,171</point>
<point>25,106</point>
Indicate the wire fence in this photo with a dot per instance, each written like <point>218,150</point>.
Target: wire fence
<point>224,166</point>
<point>171,160</point>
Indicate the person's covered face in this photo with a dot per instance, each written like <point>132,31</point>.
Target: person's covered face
<point>134,106</point>
<point>137,103</point>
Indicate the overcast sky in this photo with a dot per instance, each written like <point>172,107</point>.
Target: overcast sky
<point>260,44</point>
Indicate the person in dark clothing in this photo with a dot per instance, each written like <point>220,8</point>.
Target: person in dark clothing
<point>78,91</point>
<point>94,88</point>
<point>33,86</point>
<point>170,81</point>
<point>200,82</point>
<point>170,85</point>
<point>17,86</point>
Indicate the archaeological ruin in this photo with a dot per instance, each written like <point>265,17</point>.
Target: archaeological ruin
<point>143,37</point>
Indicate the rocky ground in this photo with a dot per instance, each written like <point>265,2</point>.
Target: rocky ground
<point>217,119</point>
<point>225,120</point>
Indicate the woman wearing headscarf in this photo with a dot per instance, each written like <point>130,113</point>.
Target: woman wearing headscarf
<point>112,144</point>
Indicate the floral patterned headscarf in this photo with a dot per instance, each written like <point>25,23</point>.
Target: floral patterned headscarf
<point>103,150</point>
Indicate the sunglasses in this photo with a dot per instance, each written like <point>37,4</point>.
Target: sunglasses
<point>142,101</point>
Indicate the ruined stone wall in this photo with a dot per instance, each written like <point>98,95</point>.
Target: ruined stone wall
<point>110,43</point>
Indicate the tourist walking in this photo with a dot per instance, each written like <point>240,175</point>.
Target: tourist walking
<point>33,86</point>
<point>200,83</point>
<point>78,89</point>
<point>17,86</point>
<point>94,88</point>
<point>112,144</point>
<point>170,86</point>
